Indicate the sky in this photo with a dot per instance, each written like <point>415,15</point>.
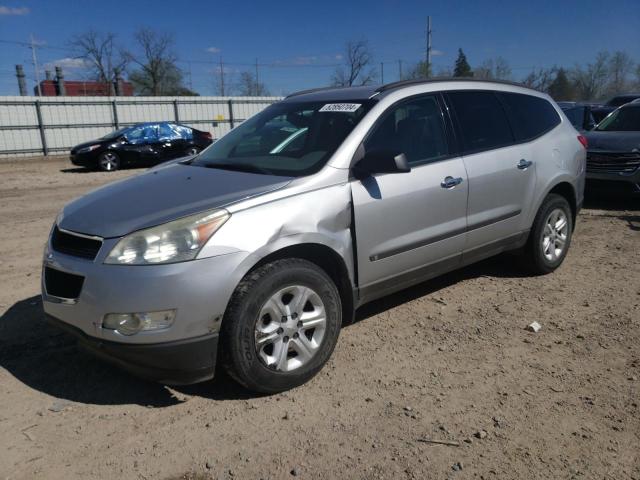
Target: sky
<point>298,43</point>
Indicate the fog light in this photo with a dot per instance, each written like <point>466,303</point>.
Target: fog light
<point>132,323</point>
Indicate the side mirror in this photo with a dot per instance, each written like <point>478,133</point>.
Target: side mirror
<point>382,161</point>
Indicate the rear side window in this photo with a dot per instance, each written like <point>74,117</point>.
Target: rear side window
<point>171,131</point>
<point>530,116</point>
<point>482,119</point>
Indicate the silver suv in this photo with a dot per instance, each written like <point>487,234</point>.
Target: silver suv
<point>252,254</point>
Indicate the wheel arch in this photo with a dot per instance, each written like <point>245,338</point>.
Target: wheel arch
<point>566,190</point>
<point>561,185</point>
<point>328,260</point>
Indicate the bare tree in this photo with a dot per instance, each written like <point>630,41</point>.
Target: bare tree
<point>497,68</point>
<point>104,59</point>
<point>591,81</point>
<point>223,80</point>
<point>357,69</point>
<point>620,67</point>
<point>248,86</point>
<point>540,79</point>
<point>420,70</point>
<point>157,72</point>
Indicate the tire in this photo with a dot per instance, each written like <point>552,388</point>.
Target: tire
<point>108,161</point>
<point>192,151</point>
<point>548,245</point>
<point>268,354</point>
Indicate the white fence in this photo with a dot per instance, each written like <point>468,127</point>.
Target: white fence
<point>50,125</point>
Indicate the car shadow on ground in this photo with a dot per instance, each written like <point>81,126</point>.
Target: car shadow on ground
<point>49,360</point>
<point>611,200</point>
<point>76,170</point>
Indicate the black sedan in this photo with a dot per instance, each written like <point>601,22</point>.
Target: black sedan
<point>614,149</point>
<point>143,144</point>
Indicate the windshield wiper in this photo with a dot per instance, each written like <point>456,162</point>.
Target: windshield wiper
<point>238,167</point>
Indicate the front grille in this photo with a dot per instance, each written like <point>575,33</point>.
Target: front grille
<point>75,245</point>
<point>62,284</point>
<point>616,163</point>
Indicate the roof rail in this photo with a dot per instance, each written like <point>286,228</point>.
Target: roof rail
<point>311,90</point>
<point>420,81</point>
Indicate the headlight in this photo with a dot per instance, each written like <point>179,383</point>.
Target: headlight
<point>88,149</point>
<point>176,241</point>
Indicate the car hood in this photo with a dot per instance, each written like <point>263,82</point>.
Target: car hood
<point>88,144</point>
<point>613,141</point>
<point>161,195</point>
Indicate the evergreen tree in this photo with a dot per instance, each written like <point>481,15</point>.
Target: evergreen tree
<point>561,88</point>
<point>462,67</point>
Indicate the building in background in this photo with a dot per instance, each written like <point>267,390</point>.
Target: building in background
<point>59,87</point>
<point>79,88</point>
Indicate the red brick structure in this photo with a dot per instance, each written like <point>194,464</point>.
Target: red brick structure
<point>75,88</point>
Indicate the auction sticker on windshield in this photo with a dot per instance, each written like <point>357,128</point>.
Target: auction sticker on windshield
<point>340,107</point>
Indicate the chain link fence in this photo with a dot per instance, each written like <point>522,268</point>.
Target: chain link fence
<point>46,126</point>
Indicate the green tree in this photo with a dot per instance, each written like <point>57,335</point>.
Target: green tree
<point>462,67</point>
<point>561,88</point>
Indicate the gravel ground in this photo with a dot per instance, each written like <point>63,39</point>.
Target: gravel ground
<point>446,361</point>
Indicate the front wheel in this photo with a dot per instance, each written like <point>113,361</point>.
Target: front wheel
<point>108,161</point>
<point>550,236</point>
<point>281,325</point>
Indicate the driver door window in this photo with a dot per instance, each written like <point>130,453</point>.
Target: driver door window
<point>415,128</point>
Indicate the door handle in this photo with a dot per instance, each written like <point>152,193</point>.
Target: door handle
<point>524,164</point>
<point>450,182</point>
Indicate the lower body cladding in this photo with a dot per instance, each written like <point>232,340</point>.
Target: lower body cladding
<point>196,292</point>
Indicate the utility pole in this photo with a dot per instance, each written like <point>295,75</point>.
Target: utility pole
<point>35,65</point>
<point>428,72</point>
<point>257,77</point>
<point>190,78</point>
<point>382,73</point>
<point>399,69</point>
<point>221,77</point>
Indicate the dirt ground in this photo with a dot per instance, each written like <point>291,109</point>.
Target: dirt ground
<point>448,361</point>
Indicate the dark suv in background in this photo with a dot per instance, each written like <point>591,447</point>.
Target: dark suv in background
<point>142,144</point>
<point>613,158</point>
<point>601,111</point>
<point>579,114</point>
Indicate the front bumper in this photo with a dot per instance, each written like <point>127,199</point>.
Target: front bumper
<point>84,159</point>
<point>173,363</point>
<point>197,290</point>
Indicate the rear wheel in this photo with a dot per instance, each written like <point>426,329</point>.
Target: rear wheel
<point>108,161</point>
<point>550,236</point>
<point>281,325</point>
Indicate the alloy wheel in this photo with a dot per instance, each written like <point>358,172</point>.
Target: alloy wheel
<point>554,236</point>
<point>108,161</point>
<point>290,328</point>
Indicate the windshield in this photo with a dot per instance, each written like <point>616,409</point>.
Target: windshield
<point>622,120</point>
<point>116,134</point>
<point>288,139</point>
